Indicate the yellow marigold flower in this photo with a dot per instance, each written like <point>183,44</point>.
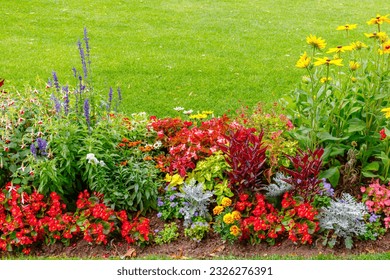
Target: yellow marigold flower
<point>387,112</point>
<point>226,202</point>
<point>324,80</point>
<point>379,20</point>
<point>236,215</point>
<point>347,27</point>
<point>385,48</point>
<point>353,65</point>
<point>358,45</point>
<point>217,210</point>
<point>235,230</point>
<point>316,42</point>
<point>304,61</point>
<point>339,49</point>
<point>381,36</point>
<point>328,61</point>
<point>228,219</point>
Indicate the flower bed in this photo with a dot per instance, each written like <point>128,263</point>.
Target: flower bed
<point>74,167</point>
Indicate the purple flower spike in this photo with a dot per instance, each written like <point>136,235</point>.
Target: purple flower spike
<point>33,150</point>
<point>42,146</point>
<point>86,113</point>
<point>55,79</point>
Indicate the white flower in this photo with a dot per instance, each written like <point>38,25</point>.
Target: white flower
<point>188,112</point>
<point>102,163</point>
<point>92,159</point>
<point>157,145</point>
<point>178,109</point>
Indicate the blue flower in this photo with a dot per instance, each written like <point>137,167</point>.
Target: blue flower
<point>172,197</point>
<point>159,214</point>
<point>373,218</point>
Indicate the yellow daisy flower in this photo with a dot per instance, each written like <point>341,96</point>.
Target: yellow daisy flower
<point>379,20</point>
<point>353,65</point>
<point>328,61</point>
<point>316,42</point>
<point>339,49</point>
<point>387,112</point>
<point>385,48</point>
<point>381,36</point>
<point>235,230</point>
<point>217,210</point>
<point>226,202</point>
<point>325,79</point>
<point>304,61</point>
<point>358,45</point>
<point>228,219</point>
<point>198,116</point>
<point>347,27</point>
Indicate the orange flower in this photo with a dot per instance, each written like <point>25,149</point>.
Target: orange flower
<point>235,230</point>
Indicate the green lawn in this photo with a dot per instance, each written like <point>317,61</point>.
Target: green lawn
<point>198,54</point>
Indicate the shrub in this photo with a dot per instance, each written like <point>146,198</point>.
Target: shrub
<point>304,178</point>
<point>343,218</point>
<point>195,202</point>
<point>339,101</point>
<point>377,199</point>
<point>167,235</point>
<point>246,155</point>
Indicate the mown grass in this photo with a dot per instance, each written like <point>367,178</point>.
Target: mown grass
<point>375,256</point>
<point>198,54</point>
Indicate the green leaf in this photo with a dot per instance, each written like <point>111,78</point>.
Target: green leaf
<point>356,125</point>
<point>372,166</point>
<point>348,242</point>
<point>326,136</point>
<point>332,174</point>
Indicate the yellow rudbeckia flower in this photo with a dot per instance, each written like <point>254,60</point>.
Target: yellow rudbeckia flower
<point>387,112</point>
<point>236,215</point>
<point>378,20</point>
<point>316,42</point>
<point>328,61</point>
<point>347,27</point>
<point>304,61</point>
<point>339,49</point>
<point>353,65</point>
<point>358,45</point>
<point>381,36</point>
<point>385,48</point>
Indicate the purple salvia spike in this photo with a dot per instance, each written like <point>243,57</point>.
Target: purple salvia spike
<point>55,79</point>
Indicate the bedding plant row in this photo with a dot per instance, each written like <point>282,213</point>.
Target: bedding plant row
<point>312,168</point>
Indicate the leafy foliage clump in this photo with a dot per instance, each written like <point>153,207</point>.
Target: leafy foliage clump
<point>343,218</point>
<point>196,202</point>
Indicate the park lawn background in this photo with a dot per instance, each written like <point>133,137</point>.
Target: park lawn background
<point>197,54</point>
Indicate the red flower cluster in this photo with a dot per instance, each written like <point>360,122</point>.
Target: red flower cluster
<point>26,219</point>
<point>299,219</point>
<point>264,222</point>
<point>187,144</point>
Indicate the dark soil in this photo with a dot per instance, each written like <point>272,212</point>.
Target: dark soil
<point>210,247</point>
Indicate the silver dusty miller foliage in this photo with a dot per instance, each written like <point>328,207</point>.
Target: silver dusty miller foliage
<point>345,216</point>
<point>196,201</point>
<point>279,187</point>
